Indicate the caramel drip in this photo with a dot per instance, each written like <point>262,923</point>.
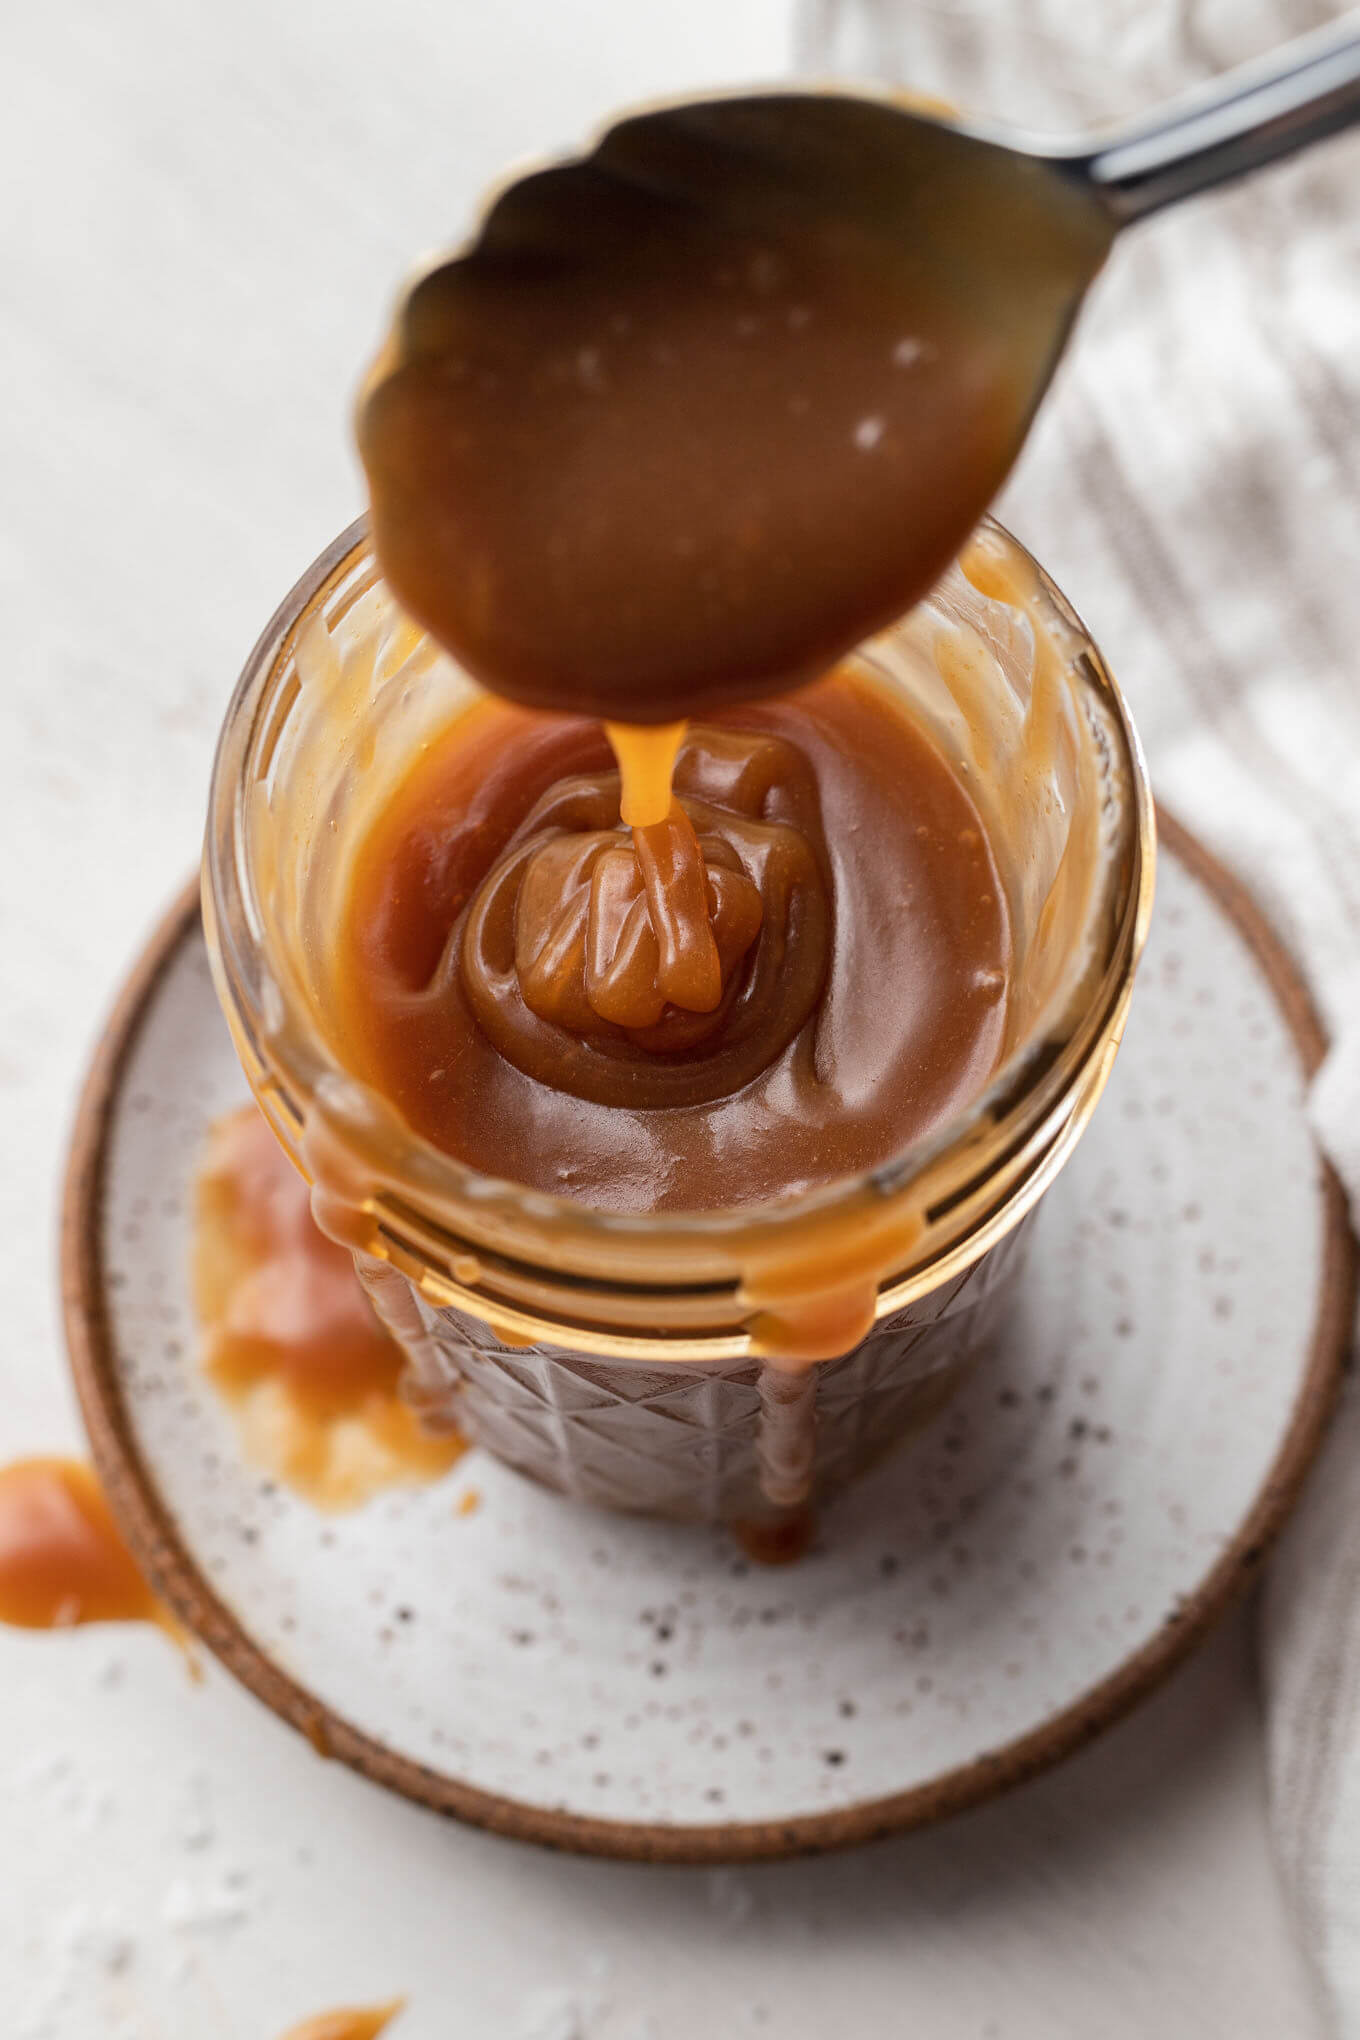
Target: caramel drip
<point>683,902</point>
<point>646,755</point>
<point>786,1434</point>
<point>63,1561</point>
<point>777,1540</point>
<point>667,919</point>
<point>357,2022</point>
<point>615,930</point>
<point>289,1337</point>
<point>669,965</point>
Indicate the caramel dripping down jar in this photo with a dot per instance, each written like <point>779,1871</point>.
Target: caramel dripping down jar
<point>680,1365</point>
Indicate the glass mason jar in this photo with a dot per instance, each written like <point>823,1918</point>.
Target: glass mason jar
<point>726,1365</point>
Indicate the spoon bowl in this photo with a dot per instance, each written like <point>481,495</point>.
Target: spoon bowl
<point>698,411</point>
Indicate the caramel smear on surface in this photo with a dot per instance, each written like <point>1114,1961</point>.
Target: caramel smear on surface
<point>289,1337</point>
<point>357,2022</point>
<point>63,1561</point>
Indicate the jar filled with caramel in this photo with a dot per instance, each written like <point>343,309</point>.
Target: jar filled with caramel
<point>694,1231</point>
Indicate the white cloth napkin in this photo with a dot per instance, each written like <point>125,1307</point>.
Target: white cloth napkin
<point>1194,484</point>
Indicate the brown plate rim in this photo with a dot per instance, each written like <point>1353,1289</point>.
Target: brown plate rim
<point>154,1537</point>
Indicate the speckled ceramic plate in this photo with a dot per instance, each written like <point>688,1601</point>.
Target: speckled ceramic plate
<point>980,1605</point>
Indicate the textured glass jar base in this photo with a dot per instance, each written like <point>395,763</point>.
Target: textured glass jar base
<point>722,1443</point>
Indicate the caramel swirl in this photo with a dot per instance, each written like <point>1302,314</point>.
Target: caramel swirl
<point>882,921</point>
<point>669,965</point>
<point>644,936</point>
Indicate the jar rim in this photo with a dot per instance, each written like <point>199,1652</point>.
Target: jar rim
<point>1032,1109</point>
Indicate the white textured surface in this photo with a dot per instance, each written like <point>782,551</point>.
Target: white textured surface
<point>1051,1524</point>
<point>167,462</point>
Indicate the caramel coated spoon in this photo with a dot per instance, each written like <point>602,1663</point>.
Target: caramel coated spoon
<point>695,413</point>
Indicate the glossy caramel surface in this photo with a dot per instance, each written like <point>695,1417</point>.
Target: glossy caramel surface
<point>698,413</point>
<point>503,975</point>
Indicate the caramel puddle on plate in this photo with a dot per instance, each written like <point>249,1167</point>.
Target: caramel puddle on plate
<point>778,1540</point>
<point>289,1338</point>
<point>358,2022</point>
<point>63,1561</point>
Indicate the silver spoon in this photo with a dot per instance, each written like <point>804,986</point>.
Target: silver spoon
<point>695,413</point>
<point>1250,117</point>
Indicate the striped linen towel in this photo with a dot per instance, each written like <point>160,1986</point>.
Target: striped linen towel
<point>1194,484</point>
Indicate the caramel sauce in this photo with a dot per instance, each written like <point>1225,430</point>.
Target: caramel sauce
<point>689,419</point>
<point>517,971</point>
<point>358,2022</point>
<point>625,932</point>
<point>63,1561</point>
<point>777,1540</point>
<point>646,758</point>
<point>289,1337</point>
<point>624,966</point>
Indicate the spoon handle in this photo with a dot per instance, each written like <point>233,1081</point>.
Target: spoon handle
<point>1252,116</point>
